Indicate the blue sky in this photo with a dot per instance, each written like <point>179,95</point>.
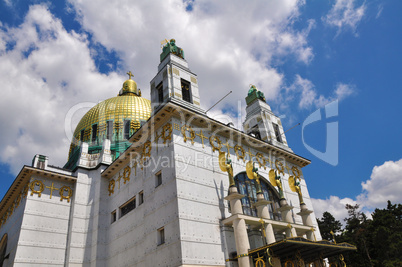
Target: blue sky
<point>301,54</point>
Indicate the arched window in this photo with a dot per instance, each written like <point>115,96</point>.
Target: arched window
<point>247,187</point>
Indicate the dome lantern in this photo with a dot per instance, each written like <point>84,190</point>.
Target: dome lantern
<point>130,86</point>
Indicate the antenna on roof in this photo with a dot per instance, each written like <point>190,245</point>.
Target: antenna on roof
<point>219,101</point>
<point>291,128</point>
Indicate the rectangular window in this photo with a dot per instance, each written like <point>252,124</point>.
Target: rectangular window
<point>82,136</point>
<point>159,89</point>
<point>140,198</point>
<point>158,179</point>
<point>114,217</point>
<point>277,133</point>
<point>94,132</point>
<point>186,90</point>
<point>109,130</point>
<point>127,129</point>
<point>161,236</point>
<point>127,207</point>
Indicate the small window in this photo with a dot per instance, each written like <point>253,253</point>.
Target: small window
<point>114,217</point>
<point>127,129</point>
<point>140,198</point>
<point>94,132</point>
<point>161,236</point>
<point>277,133</point>
<point>186,90</point>
<point>159,90</point>
<point>255,132</point>
<point>127,207</point>
<point>158,177</point>
<point>82,136</point>
<point>109,130</point>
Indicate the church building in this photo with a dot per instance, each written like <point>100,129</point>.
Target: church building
<point>159,183</point>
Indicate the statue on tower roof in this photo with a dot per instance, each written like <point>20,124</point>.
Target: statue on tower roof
<point>170,47</point>
<point>253,94</point>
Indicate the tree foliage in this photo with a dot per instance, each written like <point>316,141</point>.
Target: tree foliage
<point>378,240</point>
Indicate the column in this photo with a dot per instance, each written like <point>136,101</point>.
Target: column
<point>286,211</point>
<point>263,212</point>
<point>305,214</point>
<point>239,226</point>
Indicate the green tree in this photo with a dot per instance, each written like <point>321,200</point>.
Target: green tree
<point>356,233</point>
<point>327,224</point>
<point>386,236</point>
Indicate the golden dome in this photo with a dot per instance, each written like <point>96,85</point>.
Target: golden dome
<point>128,106</point>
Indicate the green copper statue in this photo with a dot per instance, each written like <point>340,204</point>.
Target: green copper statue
<point>276,181</point>
<point>253,94</point>
<point>171,47</point>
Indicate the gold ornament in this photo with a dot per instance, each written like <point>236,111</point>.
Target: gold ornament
<point>37,183</point>
<point>25,191</point>
<point>240,152</point>
<point>260,159</point>
<point>296,172</point>
<point>218,145</point>
<point>69,193</point>
<point>279,166</point>
<point>112,184</point>
<point>167,133</point>
<point>126,174</point>
<point>146,151</point>
<point>289,262</point>
<point>185,128</point>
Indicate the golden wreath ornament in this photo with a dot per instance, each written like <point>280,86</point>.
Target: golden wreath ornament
<point>18,201</point>
<point>185,128</point>
<point>218,145</point>
<point>69,193</point>
<point>167,133</point>
<point>37,183</point>
<point>112,185</point>
<point>296,172</point>
<point>279,166</point>
<point>240,153</point>
<point>260,159</point>
<point>126,174</point>
<point>146,150</point>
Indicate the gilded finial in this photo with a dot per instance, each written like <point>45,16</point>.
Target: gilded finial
<point>130,74</point>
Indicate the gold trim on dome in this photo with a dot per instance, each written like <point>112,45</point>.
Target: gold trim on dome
<point>117,109</point>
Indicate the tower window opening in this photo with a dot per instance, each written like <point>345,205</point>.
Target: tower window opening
<point>94,132</point>
<point>127,129</point>
<point>82,136</point>
<point>277,133</point>
<point>140,198</point>
<point>159,90</point>
<point>109,130</point>
<point>256,132</point>
<point>186,90</point>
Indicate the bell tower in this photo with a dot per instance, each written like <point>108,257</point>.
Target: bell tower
<point>261,122</point>
<point>174,81</point>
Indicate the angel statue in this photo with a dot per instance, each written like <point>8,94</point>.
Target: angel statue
<point>294,184</point>
<point>226,166</point>
<point>276,181</point>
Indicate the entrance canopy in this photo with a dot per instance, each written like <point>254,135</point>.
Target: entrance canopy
<point>307,249</point>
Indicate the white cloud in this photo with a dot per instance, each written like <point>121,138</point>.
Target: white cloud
<point>333,205</point>
<point>229,44</point>
<point>45,69</point>
<point>45,72</point>
<point>344,14</point>
<point>308,96</point>
<point>343,90</point>
<point>385,183</point>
